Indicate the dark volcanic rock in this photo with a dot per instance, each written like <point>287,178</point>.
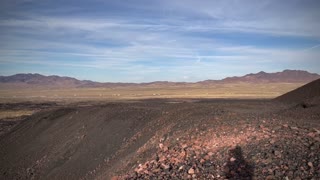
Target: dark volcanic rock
<point>305,95</point>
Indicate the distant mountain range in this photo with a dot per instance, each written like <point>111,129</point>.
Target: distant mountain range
<point>286,76</point>
<point>38,80</point>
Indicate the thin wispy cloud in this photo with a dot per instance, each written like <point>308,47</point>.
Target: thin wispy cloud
<point>158,40</point>
<point>313,47</point>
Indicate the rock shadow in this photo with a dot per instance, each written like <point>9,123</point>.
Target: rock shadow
<point>237,167</point>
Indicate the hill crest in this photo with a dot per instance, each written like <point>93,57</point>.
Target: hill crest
<point>309,93</point>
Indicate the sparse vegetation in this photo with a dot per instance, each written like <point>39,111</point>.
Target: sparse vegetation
<point>236,90</point>
<point>9,114</point>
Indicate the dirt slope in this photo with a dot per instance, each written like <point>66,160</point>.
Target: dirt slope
<point>71,142</point>
<point>307,93</point>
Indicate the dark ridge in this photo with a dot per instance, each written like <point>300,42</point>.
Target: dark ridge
<point>309,93</point>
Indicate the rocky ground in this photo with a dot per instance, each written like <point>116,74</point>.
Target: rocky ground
<point>238,146</point>
<point>166,139</point>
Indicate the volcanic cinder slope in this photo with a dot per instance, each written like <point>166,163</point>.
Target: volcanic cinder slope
<point>308,93</point>
<point>177,139</point>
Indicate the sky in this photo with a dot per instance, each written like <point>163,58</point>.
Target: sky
<point>158,40</point>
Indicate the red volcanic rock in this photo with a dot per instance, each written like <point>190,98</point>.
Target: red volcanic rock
<point>191,171</point>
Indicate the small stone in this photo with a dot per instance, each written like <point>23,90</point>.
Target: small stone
<point>210,153</point>
<point>165,148</point>
<point>311,134</point>
<point>278,173</point>
<point>160,145</point>
<point>165,166</point>
<point>317,131</point>
<point>266,136</point>
<point>144,166</point>
<point>202,161</point>
<point>277,153</point>
<point>191,171</point>
<point>232,159</point>
<point>206,157</point>
<point>290,173</point>
<point>184,146</point>
<point>156,170</point>
<point>182,155</point>
<point>181,168</point>
<point>114,178</point>
<point>270,177</point>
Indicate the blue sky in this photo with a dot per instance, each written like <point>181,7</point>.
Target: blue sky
<point>151,40</point>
